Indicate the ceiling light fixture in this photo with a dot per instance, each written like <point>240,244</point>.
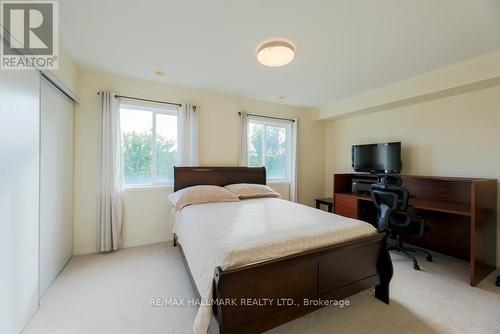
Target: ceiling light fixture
<point>275,53</point>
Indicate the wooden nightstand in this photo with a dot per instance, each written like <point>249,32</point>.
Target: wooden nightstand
<point>328,201</point>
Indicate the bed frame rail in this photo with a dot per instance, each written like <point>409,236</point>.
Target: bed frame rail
<point>274,292</point>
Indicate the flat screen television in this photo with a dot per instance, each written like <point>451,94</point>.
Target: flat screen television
<point>377,158</point>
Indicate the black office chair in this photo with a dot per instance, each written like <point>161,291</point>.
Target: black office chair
<point>391,200</point>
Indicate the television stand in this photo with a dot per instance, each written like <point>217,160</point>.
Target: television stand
<point>461,213</point>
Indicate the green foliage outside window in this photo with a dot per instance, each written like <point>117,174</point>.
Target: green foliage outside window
<point>138,158</point>
<point>166,152</point>
<point>268,147</point>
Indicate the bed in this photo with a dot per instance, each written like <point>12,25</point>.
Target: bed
<point>267,261</point>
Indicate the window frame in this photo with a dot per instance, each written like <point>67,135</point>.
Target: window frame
<point>154,108</point>
<point>275,123</point>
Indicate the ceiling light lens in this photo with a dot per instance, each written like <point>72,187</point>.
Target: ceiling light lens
<point>275,54</point>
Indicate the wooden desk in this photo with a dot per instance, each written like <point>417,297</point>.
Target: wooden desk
<point>461,213</point>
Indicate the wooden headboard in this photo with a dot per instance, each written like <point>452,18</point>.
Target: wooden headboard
<point>217,176</point>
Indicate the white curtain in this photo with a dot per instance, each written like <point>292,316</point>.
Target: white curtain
<point>110,213</point>
<point>244,140</point>
<point>187,129</point>
<point>294,181</point>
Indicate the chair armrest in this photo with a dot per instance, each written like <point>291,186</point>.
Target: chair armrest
<point>407,221</point>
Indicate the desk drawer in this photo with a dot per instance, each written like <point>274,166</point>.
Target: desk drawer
<point>346,206</point>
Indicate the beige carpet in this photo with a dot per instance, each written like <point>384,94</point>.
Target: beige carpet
<point>111,294</point>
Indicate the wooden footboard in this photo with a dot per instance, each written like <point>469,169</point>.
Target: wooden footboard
<point>259,297</point>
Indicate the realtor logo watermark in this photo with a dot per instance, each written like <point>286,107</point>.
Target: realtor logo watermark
<point>32,38</point>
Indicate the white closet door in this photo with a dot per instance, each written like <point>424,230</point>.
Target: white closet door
<point>19,180</point>
<point>56,182</point>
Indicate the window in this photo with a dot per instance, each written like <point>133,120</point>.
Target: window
<point>269,146</point>
<point>149,144</point>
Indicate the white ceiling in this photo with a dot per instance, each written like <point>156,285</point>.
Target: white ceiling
<point>344,47</point>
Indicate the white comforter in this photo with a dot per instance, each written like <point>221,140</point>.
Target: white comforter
<point>236,234</point>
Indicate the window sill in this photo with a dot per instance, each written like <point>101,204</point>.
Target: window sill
<point>278,182</point>
<point>153,187</point>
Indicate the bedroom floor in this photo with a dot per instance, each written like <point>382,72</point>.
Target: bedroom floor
<point>111,294</point>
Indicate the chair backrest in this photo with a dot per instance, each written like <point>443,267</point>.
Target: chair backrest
<point>392,185</point>
<point>389,196</point>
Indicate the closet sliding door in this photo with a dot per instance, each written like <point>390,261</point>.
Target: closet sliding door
<point>19,179</point>
<point>56,182</point>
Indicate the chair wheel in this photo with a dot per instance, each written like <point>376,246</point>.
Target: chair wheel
<point>416,267</point>
<point>429,258</point>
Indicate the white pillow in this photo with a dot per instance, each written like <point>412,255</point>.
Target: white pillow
<point>199,195</point>
<point>250,190</point>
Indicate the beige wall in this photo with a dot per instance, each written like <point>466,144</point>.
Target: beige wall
<point>452,136</point>
<point>147,213</point>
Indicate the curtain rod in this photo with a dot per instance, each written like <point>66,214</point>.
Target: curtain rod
<point>145,100</point>
<point>271,117</point>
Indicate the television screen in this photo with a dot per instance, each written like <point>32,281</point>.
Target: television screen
<point>377,158</point>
